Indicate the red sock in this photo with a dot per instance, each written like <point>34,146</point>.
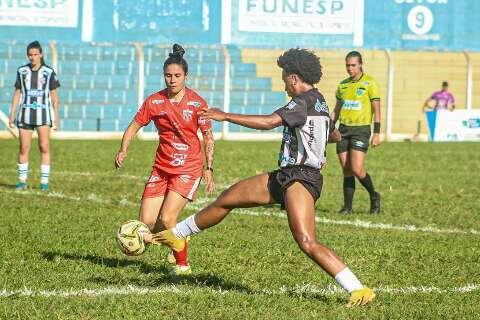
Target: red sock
<point>181,257</point>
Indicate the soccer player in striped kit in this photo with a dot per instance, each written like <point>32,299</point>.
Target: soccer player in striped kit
<point>297,184</point>
<point>36,99</point>
<point>178,166</point>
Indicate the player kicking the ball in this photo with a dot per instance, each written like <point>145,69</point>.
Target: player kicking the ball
<point>297,184</point>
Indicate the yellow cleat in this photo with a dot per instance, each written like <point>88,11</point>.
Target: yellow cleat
<point>180,271</point>
<point>170,257</point>
<point>167,238</point>
<point>361,297</point>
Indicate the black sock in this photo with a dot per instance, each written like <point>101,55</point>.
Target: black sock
<point>368,184</point>
<point>348,191</point>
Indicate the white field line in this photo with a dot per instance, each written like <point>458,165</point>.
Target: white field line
<point>299,289</point>
<point>202,202</point>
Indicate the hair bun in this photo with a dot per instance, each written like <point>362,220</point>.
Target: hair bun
<point>177,51</point>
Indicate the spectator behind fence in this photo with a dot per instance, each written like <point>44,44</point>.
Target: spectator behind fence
<point>443,100</point>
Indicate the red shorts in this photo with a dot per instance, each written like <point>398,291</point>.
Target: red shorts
<point>161,182</point>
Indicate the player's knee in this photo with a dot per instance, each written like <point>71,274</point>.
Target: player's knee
<point>24,150</point>
<point>168,220</point>
<point>358,172</point>
<point>44,147</point>
<point>305,243</point>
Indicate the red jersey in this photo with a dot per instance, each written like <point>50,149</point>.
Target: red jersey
<point>179,150</point>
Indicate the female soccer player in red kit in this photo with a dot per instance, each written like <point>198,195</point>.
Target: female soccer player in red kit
<point>178,166</point>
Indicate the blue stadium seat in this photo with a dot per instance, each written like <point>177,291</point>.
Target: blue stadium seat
<point>74,111</point>
<point>70,124</point>
<point>116,97</point>
<point>243,69</point>
<point>6,95</point>
<point>93,111</point>
<point>82,81</point>
<point>67,68</point>
<point>111,112</point>
<point>109,125</point>
<point>79,96</point>
<point>97,96</point>
<point>89,125</point>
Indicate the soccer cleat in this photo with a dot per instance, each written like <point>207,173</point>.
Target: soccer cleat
<point>169,239</point>
<point>361,297</point>
<point>346,211</point>
<point>180,271</point>
<point>375,203</point>
<point>20,186</point>
<point>44,186</point>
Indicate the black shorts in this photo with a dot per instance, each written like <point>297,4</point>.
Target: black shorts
<point>354,137</point>
<point>279,181</point>
<point>25,126</point>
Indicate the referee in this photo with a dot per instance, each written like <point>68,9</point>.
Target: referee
<point>358,101</point>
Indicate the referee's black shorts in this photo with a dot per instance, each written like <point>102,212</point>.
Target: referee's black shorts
<point>279,181</point>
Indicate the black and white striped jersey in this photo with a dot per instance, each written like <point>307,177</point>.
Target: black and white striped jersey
<point>35,106</point>
<point>307,125</point>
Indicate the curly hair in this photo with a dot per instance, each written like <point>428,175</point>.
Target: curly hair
<point>176,57</point>
<point>303,63</point>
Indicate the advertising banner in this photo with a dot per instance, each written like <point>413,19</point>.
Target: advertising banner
<point>458,125</point>
<point>38,13</point>
<point>316,17</point>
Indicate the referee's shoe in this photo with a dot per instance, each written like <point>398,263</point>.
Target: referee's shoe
<point>375,203</point>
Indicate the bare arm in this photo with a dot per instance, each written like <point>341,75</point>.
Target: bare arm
<point>209,143</point>
<point>128,135</point>
<point>54,96</point>
<point>260,122</point>
<point>13,110</point>
<point>336,111</point>
<point>376,118</point>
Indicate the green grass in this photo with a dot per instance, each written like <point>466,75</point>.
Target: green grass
<point>248,267</point>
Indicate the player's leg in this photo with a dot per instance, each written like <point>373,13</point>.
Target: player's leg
<point>172,205</point>
<point>23,153</point>
<point>152,200</point>
<point>358,158</point>
<point>301,217</point>
<point>348,182</point>
<point>250,192</point>
<point>44,146</point>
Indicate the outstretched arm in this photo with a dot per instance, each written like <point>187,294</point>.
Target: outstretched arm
<point>260,122</point>
<point>128,135</point>
<point>209,143</point>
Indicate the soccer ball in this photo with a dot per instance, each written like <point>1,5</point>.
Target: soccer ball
<point>130,237</point>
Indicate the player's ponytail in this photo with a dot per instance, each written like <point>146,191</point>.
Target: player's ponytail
<point>357,54</point>
<point>176,57</point>
<point>36,45</point>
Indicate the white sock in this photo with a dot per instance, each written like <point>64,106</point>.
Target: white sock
<point>186,228</point>
<point>22,172</point>
<point>347,280</point>
<point>44,173</point>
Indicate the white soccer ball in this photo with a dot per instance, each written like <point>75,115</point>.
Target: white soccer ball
<point>130,237</point>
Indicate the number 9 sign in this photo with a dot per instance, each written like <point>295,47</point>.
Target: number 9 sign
<point>420,20</point>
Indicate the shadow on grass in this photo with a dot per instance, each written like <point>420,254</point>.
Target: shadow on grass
<point>103,261</point>
<point>202,280</point>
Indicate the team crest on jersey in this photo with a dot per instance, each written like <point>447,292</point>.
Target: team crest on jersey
<point>360,91</point>
<point>321,106</point>
<point>292,104</point>
<point>196,104</point>
<point>187,115</point>
<point>157,101</point>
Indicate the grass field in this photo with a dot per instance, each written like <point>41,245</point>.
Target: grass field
<point>60,261</point>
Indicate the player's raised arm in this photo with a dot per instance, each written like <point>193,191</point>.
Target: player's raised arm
<point>259,122</point>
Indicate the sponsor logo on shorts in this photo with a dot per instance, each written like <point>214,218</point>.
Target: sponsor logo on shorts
<point>158,101</point>
<point>196,104</point>
<point>187,115</point>
<point>321,106</point>
<point>153,179</point>
<point>185,178</point>
<point>180,146</point>
<point>292,104</point>
<point>359,143</point>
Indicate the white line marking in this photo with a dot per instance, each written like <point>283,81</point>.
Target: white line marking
<point>299,289</point>
<point>202,202</point>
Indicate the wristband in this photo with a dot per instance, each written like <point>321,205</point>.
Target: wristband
<point>209,168</point>
<point>376,127</point>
